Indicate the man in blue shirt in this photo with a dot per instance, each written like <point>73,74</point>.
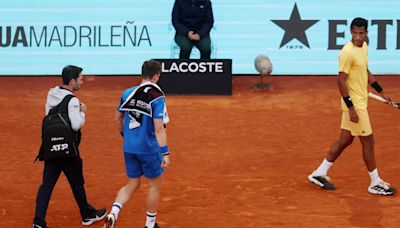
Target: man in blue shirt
<point>140,118</point>
<point>193,20</point>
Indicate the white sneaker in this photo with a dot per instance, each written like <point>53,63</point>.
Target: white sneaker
<point>110,221</point>
<point>381,188</point>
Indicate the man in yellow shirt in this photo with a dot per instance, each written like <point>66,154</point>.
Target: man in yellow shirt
<point>353,81</point>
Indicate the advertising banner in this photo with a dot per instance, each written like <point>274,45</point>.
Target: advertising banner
<point>114,37</point>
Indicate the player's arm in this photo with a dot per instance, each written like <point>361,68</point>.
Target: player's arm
<point>158,107</point>
<point>374,84</point>
<point>160,132</point>
<point>158,110</point>
<point>344,92</point>
<point>161,136</point>
<point>119,121</point>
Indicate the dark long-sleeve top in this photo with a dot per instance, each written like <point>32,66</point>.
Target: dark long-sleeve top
<point>192,15</point>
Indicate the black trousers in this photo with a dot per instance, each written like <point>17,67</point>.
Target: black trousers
<point>72,169</point>
<point>186,45</point>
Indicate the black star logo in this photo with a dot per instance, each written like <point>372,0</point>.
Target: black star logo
<point>295,28</point>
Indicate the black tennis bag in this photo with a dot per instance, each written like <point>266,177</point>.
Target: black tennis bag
<point>59,141</point>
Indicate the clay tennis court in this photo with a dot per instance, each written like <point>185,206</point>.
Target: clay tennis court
<point>239,161</point>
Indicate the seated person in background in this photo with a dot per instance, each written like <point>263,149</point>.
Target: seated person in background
<point>193,20</point>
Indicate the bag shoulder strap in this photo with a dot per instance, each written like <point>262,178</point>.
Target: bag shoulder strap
<point>62,106</point>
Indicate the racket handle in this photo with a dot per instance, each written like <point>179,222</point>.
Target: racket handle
<point>376,97</point>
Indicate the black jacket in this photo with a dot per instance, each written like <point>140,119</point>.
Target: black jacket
<point>192,15</point>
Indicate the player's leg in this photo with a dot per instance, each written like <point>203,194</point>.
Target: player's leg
<point>51,173</point>
<point>125,193</point>
<point>368,151</point>
<point>153,172</point>
<point>345,140</point>
<point>134,171</point>
<point>377,186</point>
<point>185,44</point>
<point>153,199</point>
<point>367,139</point>
<point>319,176</point>
<point>123,196</point>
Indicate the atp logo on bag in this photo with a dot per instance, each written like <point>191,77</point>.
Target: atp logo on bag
<point>60,147</point>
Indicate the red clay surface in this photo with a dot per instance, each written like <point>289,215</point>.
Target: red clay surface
<point>239,161</point>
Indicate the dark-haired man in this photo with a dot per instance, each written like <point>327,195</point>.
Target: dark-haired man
<point>72,168</point>
<point>140,119</point>
<point>354,77</point>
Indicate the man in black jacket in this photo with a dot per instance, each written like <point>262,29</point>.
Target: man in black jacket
<point>193,20</point>
<point>72,80</point>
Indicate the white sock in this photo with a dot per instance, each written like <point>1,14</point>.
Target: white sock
<point>374,176</point>
<point>323,168</point>
<point>116,208</point>
<point>150,219</point>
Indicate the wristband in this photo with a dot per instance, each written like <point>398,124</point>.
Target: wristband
<point>164,149</point>
<point>377,87</point>
<point>348,102</point>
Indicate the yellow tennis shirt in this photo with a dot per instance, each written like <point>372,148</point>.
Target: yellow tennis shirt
<point>353,61</point>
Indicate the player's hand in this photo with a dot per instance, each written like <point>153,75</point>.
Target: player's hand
<point>83,107</point>
<point>353,115</point>
<point>165,161</point>
<point>386,97</point>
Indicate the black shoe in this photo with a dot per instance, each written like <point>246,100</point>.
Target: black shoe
<point>38,223</point>
<point>322,181</point>
<point>96,216</point>
<point>155,226</point>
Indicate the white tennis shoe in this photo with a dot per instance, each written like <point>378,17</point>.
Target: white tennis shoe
<point>381,188</point>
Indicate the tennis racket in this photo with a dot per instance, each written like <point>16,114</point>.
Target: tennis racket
<point>381,99</point>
